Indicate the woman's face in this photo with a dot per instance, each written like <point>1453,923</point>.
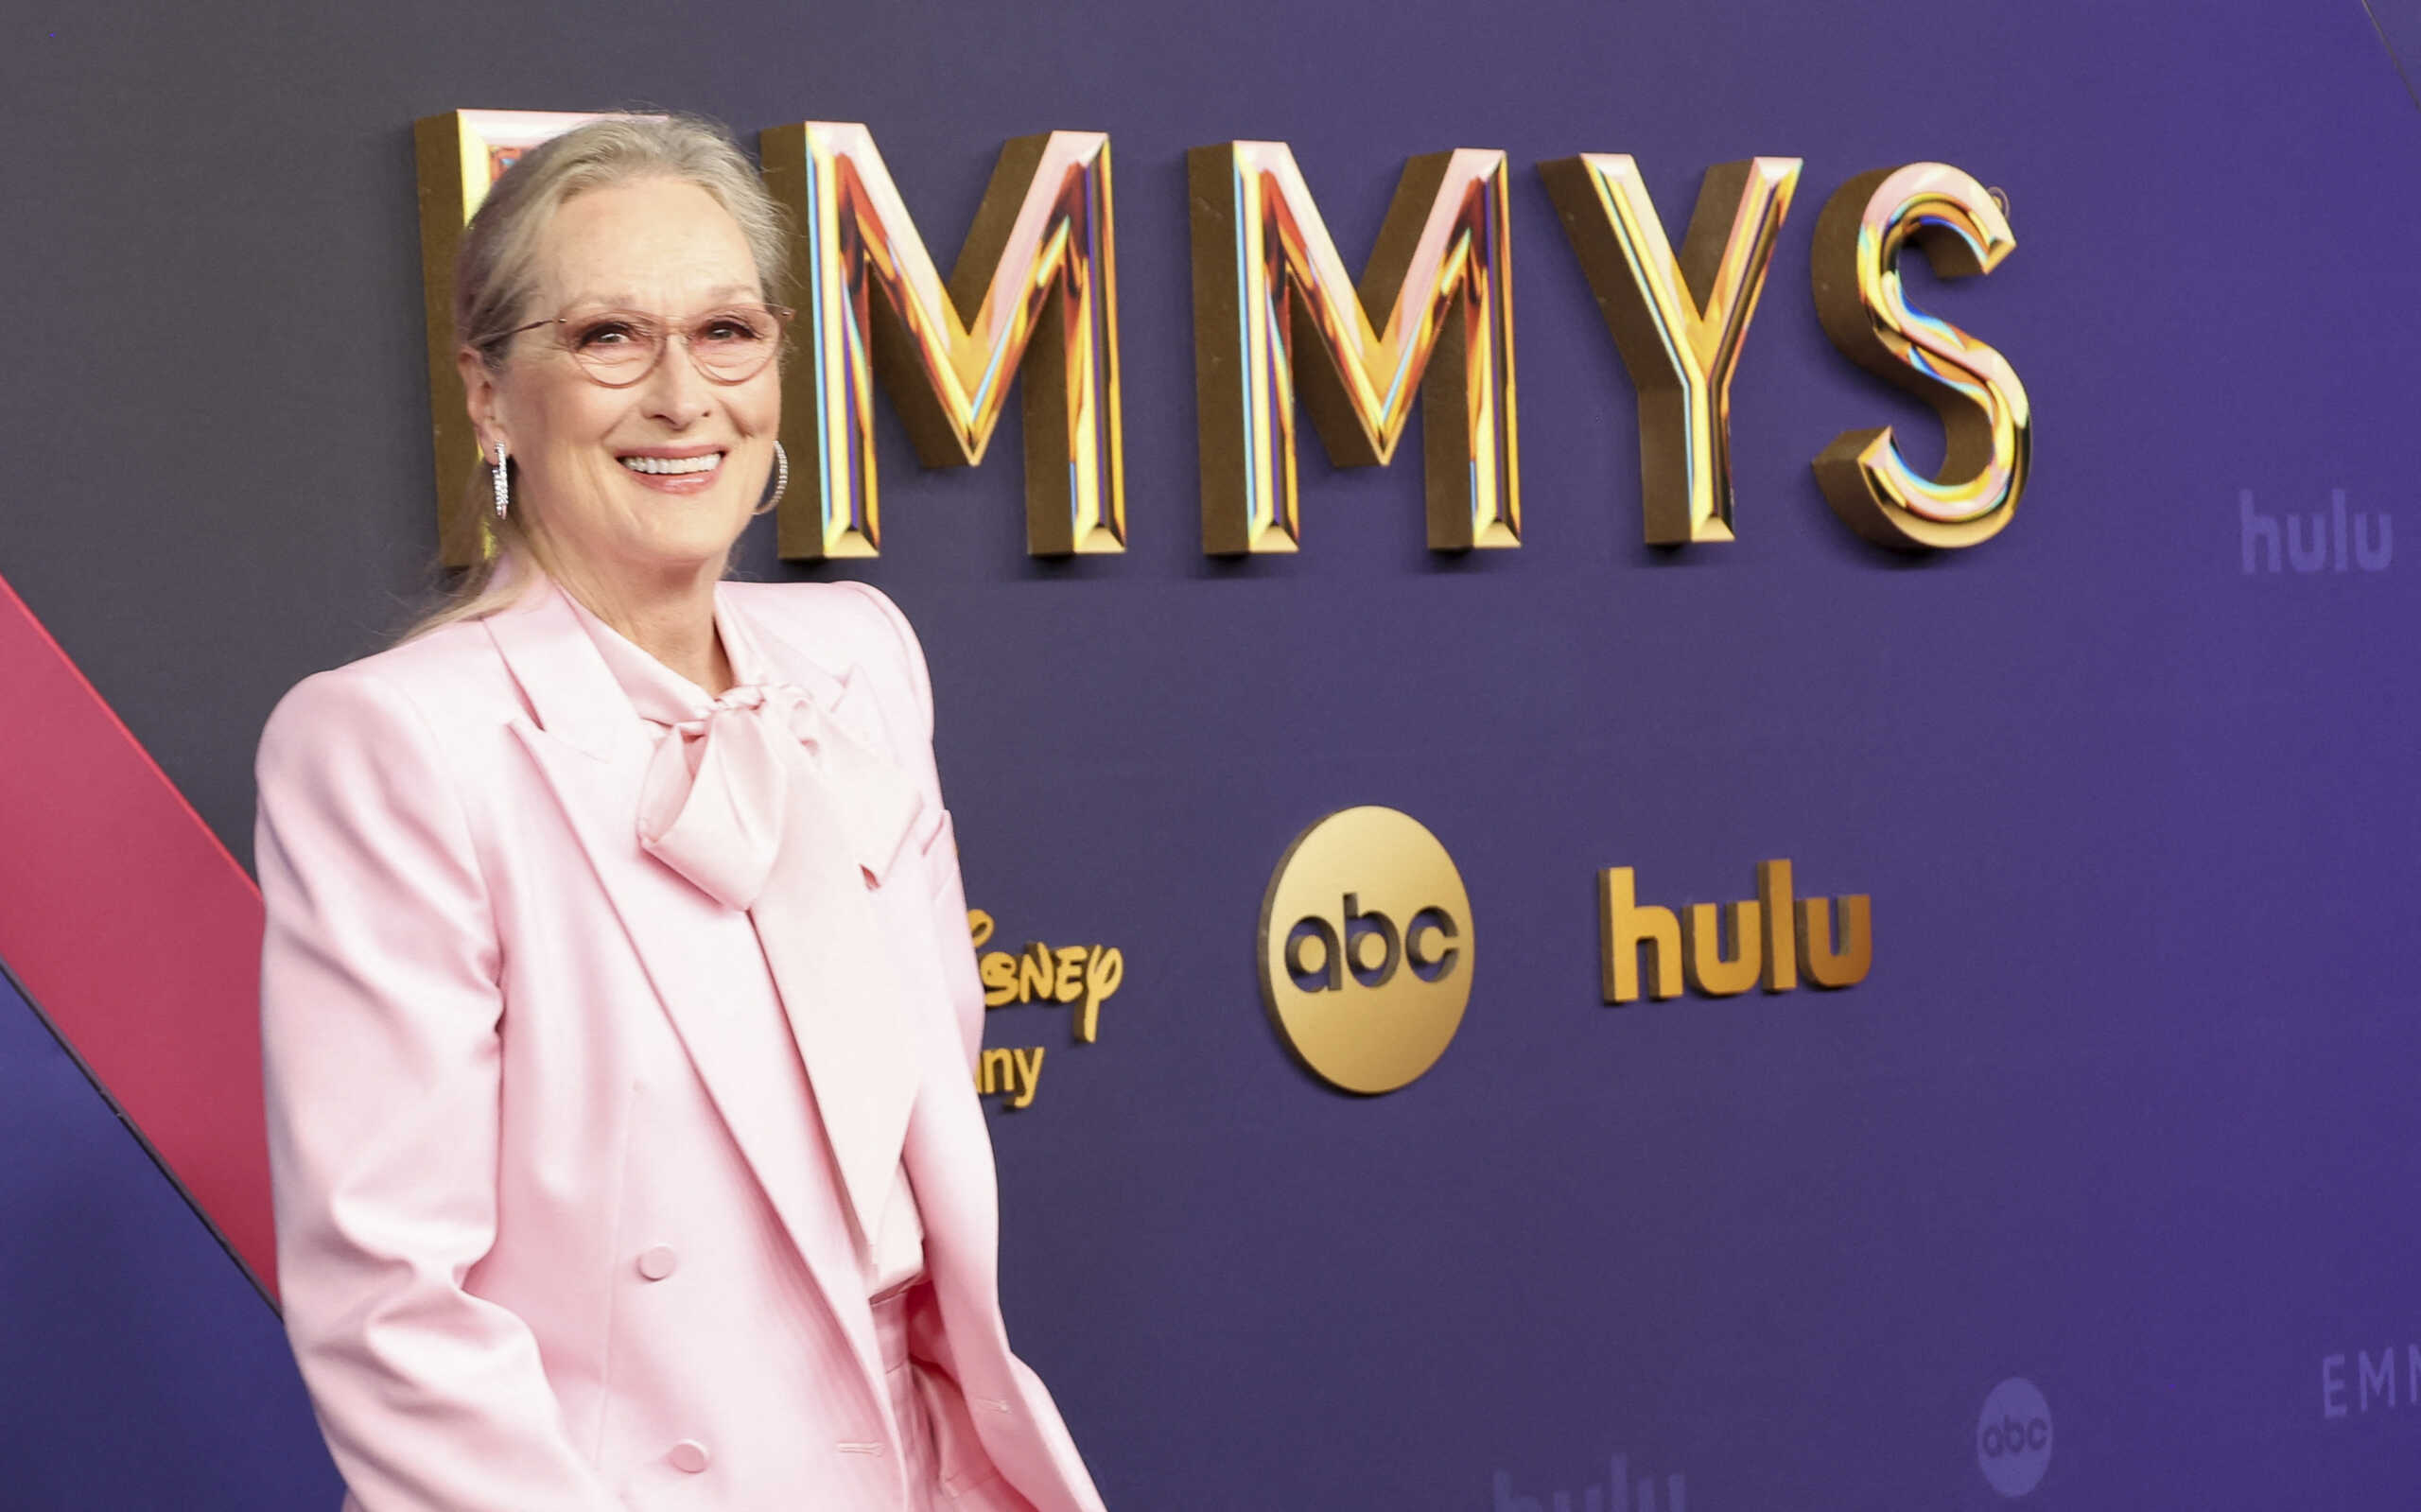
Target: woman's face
<point>647,485</point>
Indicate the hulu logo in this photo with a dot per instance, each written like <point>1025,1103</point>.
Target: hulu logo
<point>2334,542</point>
<point>1776,939</point>
<point>1616,1495</point>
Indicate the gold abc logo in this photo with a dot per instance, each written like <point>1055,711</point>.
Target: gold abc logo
<point>1366,949</point>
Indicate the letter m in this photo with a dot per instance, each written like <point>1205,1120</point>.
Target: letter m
<point>1434,314</point>
<point>1036,285</point>
<point>2380,1380</point>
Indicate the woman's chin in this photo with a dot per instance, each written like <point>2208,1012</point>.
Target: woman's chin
<point>676,549</point>
<point>690,527</point>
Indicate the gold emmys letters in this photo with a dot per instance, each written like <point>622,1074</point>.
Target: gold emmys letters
<point>1034,285</point>
<point>1434,314</point>
<point>1984,409</point>
<point>1678,323</point>
<point>1277,318</point>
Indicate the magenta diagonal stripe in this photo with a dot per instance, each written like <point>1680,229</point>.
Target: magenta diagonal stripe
<point>134,933</point>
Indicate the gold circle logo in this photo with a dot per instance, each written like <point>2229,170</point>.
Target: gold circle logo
<point>1366,949</point>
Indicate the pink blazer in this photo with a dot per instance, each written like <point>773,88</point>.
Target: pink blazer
<point>557,1229</point>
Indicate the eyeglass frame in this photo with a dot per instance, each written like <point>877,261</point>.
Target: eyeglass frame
<point>782,316</point>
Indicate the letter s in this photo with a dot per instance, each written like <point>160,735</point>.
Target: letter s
<point>999,971</point>
<point>1983,407</point>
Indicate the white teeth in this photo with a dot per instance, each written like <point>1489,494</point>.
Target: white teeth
<point>673,464</point>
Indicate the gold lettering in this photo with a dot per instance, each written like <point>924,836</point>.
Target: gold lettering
<point>1036,283</point>
<point>1104,971</point>
<point>1082,975</point>
<point>1433,315</point>
<point>1774,906</point>
<point>1983,407</point>
<point>1708,971</point>
<point>1623,926</point>
<point>1844,964</point>
<point>999,971</point>
<point>1036,973</point>
<point>996,1071</point>
<point>1678,323</point>
<point>1069,982</point>
<point>1030,1072</point>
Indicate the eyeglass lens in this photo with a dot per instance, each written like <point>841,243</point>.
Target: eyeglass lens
<point>618,346</point>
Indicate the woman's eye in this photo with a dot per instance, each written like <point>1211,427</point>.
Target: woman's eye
<point>731,329</point>
<point>604,334</point>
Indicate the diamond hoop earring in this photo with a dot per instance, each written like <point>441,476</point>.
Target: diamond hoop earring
<point>503,484</point>
<point>781,480</point>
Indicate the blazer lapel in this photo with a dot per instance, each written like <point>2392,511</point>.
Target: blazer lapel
<point>834,684</point>
<point>585,740</point>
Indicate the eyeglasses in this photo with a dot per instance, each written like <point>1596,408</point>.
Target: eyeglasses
<point>617,348</point>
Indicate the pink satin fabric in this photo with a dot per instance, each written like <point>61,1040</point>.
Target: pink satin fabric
<point>768,805</point>
<point>746,796</point>
<point>560,1227</point>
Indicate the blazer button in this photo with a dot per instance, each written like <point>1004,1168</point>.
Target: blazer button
<point>689,1455</point>
<point>658,1263</point>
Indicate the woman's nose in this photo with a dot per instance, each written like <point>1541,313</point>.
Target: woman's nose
<point>675,391</point>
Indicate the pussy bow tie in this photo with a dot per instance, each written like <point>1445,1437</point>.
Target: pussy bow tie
<point>768,805</point>
<point>717,798</point>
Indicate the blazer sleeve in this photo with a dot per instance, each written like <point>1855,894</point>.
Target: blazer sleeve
<point>949,889</point>
<point>379,1019</point>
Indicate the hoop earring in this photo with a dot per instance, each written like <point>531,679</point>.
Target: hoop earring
<point>503,484</point>
<point>781,480</point>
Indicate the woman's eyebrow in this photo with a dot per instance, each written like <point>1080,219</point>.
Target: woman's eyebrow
<point>624,300</point>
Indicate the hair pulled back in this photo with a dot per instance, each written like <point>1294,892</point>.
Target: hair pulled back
<point>495,277</point>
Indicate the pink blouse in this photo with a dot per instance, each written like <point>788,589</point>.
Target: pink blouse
<point>893,1254</point>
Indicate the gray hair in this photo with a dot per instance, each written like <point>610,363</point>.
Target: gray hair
<point>495,273</point>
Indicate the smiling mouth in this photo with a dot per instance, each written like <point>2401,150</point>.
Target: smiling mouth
<point>674,466</point>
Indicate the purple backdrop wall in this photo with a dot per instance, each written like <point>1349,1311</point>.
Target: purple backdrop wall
<point>2126,1107</point>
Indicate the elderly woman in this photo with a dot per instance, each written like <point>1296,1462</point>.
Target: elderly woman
<point>617,999</point>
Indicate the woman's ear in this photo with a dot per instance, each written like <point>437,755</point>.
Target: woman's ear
<point>480,398</point>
